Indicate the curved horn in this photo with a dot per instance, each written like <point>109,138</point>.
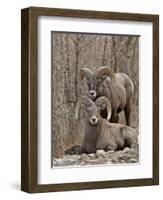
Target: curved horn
<point>85,72</point>
<point>104,71</point>
<point>104,100</point>
<point>82,100</point>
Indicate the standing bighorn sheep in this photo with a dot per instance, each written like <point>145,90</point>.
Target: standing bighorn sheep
<point>117,87</point>
<point>99,132</point>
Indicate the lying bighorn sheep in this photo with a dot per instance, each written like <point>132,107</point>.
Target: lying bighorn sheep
<point>99,132</point>
<point>117,87</point>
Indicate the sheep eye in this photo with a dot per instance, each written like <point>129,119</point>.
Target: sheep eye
<point>99,81</point>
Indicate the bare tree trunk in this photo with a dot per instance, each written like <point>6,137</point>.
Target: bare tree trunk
<point>104,52</point>
<point>114,56</point>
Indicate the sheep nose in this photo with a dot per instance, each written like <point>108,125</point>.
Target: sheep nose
<point>92,93</point>
<point>94,120</point>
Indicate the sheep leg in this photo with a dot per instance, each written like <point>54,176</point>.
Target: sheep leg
<point>114,118</point>
<point>127,111</point>
<point>82,150</point>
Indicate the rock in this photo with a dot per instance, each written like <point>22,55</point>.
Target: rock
<point>84,157</point>
<point>58,162</point>
<point>100,153</point>
<point>74,157</point>
<point>121,156</point>
<point>114,161</point>
<point>66,161</point>
<point>108,162</point>
<point>82,163</point>
<point>70,162</point>
<point>127,155</point>
<point>126,150</point>
<point>92,155</point>
<point>122,161</point>
<point>110,151</point>
<point>132,160</point>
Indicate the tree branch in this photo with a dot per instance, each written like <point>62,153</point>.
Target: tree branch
<point>87,44</point>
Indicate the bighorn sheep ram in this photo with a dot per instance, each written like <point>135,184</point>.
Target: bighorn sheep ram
<point>117,87</point>
<point>99,132</point>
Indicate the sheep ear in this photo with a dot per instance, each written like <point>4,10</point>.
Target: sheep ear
<point>85,72</point>
<point>104,72</point>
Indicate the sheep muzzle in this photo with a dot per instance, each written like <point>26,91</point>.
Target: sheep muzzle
<point>93,120</point>
<point>92,94</point>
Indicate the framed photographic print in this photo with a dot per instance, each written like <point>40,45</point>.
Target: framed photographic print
<point>90,99</point>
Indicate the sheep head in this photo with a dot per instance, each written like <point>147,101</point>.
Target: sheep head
<point>94,80</point>
<point>93,108</point>
<point>102,103</point>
